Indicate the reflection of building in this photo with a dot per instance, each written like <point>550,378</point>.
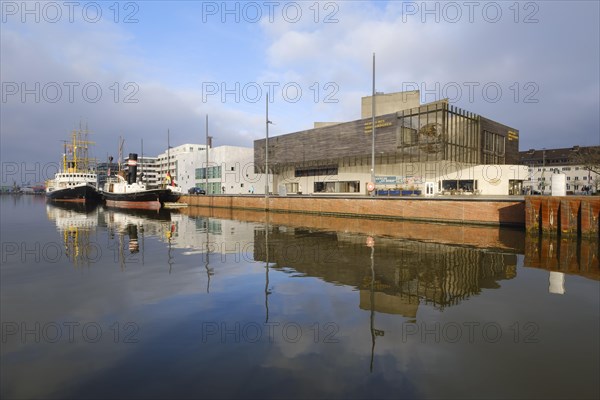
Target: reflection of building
<point>407,273</point>
<point>431,148</point>
<point>543,163</point>
<point>222,236</point>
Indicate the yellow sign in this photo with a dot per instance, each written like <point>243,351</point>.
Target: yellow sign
<point>381,123</point>
<point>512,135</point>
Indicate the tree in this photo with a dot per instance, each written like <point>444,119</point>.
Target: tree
<point>588,157</point>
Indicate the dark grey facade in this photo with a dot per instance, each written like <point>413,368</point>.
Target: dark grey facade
<point>429,133</point>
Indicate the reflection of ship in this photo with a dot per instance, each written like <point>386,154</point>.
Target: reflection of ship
<point>135,225</point>
<point>76,222</point>
<point>76,182</point>
<point>129,193</point>
<point>153,222</point>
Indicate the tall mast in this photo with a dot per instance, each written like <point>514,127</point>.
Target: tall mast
<point>75,150</point>
<point>64,158</point>
<point>207,146</point>
<point>121,142</point>
<point>142,162</point>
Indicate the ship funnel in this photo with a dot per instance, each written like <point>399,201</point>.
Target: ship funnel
<point>132,168</point>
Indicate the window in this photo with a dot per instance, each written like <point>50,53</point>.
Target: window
<point>336,187</point>
<point>493,148</point>
<point>466,185</point>
<point>568,178</point>
<point>316,171</point>
<point>585,178</point>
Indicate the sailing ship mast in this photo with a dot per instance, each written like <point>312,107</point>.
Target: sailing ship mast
<point>79,160</point>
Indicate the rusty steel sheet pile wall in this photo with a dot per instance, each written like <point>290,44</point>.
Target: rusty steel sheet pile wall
<point>567,216</point>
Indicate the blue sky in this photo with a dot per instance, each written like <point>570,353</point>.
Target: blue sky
<point>531,65</point>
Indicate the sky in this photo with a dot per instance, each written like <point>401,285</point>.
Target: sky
<point>140,69</point>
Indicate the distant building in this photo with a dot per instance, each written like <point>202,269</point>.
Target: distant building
<point>433,148</point>
<point>545,162</point>
<point>103,169</point>
<point>148,170</point>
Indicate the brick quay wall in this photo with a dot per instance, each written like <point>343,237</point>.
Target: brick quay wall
<point>480,210</point>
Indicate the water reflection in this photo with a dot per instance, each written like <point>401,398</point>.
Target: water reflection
<point>408,273</point>
<point>127,230</point>
<point>77,224</point>
<point>571,257</point>
<point>174,273</point>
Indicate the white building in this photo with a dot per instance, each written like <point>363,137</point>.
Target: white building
<point>149,167</point>
<point>542,164</point>
<point>230,169</point>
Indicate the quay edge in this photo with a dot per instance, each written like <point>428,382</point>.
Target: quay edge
<point>481,210</point>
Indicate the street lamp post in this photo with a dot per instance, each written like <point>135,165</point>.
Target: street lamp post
<point>267,122</point>
<point>373,131</point>
<point>208,145</point>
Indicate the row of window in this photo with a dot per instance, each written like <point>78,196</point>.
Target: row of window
<point>77,176</point>
<point>555,169</point>
<point>568,178</point>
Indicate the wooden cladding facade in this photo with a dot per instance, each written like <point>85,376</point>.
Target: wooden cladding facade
<point>432,132</point>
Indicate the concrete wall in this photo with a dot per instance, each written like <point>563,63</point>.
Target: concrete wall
<point>388,103</point>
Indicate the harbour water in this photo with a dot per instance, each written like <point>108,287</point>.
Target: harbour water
<point>210,303</point>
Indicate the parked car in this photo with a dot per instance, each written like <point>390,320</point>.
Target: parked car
<point>196,190</point>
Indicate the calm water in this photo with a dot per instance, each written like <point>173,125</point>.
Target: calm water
<point>212,303</point>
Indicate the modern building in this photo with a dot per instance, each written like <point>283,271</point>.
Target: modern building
<point>181,162</point>
<point>148,170</point>
<point>230,169</point>
<point>570,161</point>
<point>434,148</point>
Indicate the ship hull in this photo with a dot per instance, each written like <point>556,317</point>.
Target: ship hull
<point>147,199</point>
<point>77,194</point>
<point>170,197</point>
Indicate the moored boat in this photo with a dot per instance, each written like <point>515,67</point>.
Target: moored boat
<point>76,181</point>
<point>122,192</point>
